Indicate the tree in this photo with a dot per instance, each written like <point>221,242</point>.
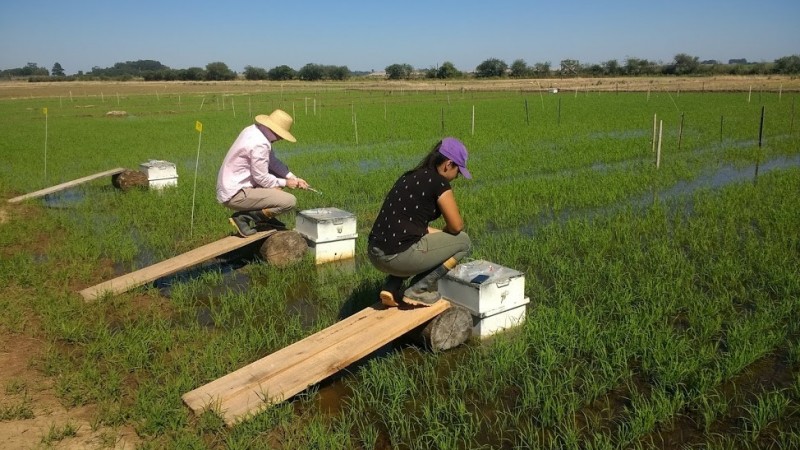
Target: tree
<point>219,71</point>
<point>281,73</point>
<point>447,70</point>
<point>192,74</point>
<point>340,73</point>
<point>311,72</point>
<point>255,73</point>
<point>162,75</point>
<point>57,70</point>
<point>399,71</point>
<point>611,67</point>
<point>140,68</point>
<point>788,64</point>
<point>32,69</point>
<point>633,66</point>
<point>686,64</point>
<point>594,70</point>
<point>520,69</point>
<point>542,69</point>
<point>492,67</point>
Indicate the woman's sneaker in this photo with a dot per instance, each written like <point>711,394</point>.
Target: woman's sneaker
<point>387,298</point>
<point>392,291</point>
<point>420,298</point>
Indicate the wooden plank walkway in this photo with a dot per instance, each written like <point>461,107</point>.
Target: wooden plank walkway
<point>291,370</point>
<point>191,258</point>
<point>67,185</point>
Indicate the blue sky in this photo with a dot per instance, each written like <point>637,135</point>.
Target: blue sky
<point>370,35</point>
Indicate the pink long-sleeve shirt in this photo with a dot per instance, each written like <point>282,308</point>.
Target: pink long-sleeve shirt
<point>246,165</point>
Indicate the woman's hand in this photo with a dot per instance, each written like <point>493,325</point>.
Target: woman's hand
<point>454,224</point>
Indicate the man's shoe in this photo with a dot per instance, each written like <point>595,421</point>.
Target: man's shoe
<point>266,220</point>
<point>241,221</point>
<point>271,224</point>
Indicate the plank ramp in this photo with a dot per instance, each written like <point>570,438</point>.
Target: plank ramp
<point>184,261</point>
<point>67,185</point>
<point>291,370</point>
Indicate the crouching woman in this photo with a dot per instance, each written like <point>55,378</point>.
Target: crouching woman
<point>402,244</point>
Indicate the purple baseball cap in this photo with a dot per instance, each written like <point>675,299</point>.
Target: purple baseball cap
<point>455,151</point>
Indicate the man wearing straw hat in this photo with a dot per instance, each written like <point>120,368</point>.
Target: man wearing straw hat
<point>252,178</point>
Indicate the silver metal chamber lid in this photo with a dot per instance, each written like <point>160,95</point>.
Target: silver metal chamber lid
<point>157,163</point>
<point>335,215</point>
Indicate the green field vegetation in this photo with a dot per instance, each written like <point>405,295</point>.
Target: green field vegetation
<point>665,303</point>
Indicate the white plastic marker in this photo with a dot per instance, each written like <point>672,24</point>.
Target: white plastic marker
<point>44,111</point>
<point>199,127</point>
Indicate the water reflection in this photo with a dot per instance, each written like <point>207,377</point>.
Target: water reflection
<point>65,199</point>
<point>725,175</point>
<point>226,265</point>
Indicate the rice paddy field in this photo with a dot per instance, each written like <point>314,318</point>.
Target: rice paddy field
<point>658,231</point>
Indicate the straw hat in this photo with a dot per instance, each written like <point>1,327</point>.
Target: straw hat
<point>279,122</point>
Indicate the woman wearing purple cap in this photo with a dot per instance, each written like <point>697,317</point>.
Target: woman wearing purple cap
<point>402,244</point>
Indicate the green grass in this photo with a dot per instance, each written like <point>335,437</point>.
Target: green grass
<point>650,311</point>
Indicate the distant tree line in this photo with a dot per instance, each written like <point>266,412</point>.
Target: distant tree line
<point>682,64</point>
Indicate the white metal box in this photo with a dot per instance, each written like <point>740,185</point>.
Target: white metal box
<point>487,324</point>
<point>482,286</point>
<point>162,183</point>
<point>160,174</point>
<point>326,224</point>
<point>493,294</point>
<point>329,251</point>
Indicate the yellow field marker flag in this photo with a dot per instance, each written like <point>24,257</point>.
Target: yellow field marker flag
<point>199,127</point>
<point>44,111</point>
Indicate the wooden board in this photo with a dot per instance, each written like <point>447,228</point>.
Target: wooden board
<point>67,185</point>
<point>290,370</point>
<point>181,262</point>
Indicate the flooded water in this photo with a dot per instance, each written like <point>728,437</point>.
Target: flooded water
<point>725,175</point>
<point>618,135</point>
<point>233,280</point>
<point>65,199</point>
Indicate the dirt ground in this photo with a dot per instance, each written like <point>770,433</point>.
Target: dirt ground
<point>772,83</point>
<point>23,384</point>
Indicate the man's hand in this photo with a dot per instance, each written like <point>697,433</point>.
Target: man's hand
<point>295,183</point>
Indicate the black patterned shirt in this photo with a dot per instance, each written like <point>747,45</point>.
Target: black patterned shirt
<point>407,210</point>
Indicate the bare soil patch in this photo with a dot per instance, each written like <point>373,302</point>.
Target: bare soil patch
<point>772,83</point>
<point>45,418</point>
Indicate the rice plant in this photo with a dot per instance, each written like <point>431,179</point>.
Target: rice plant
<point>651,288</point>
